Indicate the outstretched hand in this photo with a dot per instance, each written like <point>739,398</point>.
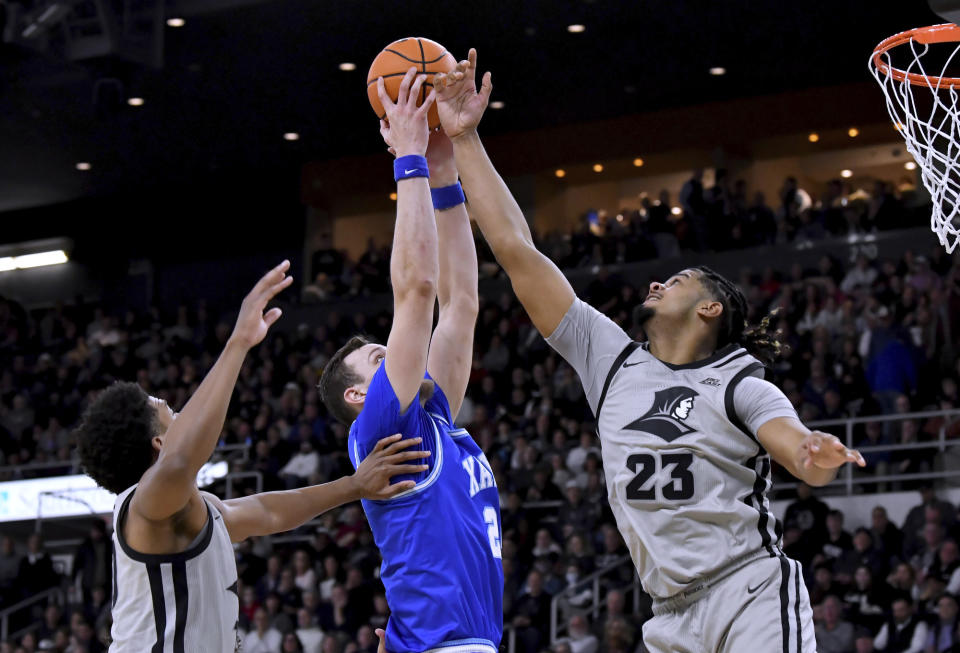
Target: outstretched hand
<point>383,463</point>
<point>252,323</point>
<point>459,104</point>
<point>405,128</point>
<point>827,452</point>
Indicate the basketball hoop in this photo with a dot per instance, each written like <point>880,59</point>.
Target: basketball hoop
<point>928,121</point>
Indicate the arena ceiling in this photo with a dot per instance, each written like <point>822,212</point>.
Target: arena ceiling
<point>222,90</point>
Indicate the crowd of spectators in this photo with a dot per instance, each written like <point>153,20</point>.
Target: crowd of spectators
<point>724,216</point>
<point>884,587</point>
<point>875,337</point>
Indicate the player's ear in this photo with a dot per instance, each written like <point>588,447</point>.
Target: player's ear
<point>710,309</point>
<point>157,443</point>
<point>354,395</point>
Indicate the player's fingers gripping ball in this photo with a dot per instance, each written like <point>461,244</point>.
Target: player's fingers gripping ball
<point>393,62</point>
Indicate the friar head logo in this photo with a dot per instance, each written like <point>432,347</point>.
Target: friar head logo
<point>666,418</point>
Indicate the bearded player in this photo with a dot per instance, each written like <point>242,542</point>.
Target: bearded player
<point>687,424</point>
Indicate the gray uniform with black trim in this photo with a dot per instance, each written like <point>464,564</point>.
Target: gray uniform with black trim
<point>175,603</point>
<point>686,476</point>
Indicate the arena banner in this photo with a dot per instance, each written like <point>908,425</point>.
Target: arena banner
<point>71,496</point>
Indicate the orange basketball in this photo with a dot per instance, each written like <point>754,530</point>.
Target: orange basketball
<point>395,60</point>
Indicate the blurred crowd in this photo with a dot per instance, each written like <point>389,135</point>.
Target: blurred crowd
<point>721,217</point>
<point>874,337</point>
<point>885,587</point>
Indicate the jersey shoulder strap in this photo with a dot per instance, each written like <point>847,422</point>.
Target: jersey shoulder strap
<point>624,355</point>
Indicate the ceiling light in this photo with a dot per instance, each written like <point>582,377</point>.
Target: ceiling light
<point>676,210</point>
<point>497,104</point>
<point>846,174</point>
<point>291,136</point>
<point>716,71</point>
<point>637,162</point>
<point>347,66</point>
<point>910,165</point>
<point>135,101</point>
<point>83,165</point>
<point>176,22</point>
<point>853,132</point>
<point>393,197</point>
<point>597,167</point>
<point>560,173</point>
<point>576,28</point>
<point>7,264</point>
<point>813,137</point>
<point>37,260</point>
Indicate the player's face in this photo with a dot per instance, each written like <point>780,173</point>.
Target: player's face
<point>165,414</point>
<point>365,361</point>
<point>672,298</point>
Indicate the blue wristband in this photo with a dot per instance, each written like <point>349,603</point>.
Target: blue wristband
<point>412,165</point>
<point>447,197</point>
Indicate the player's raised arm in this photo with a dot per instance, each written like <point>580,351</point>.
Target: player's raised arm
<point>413,262</point>
<point>275,512</point>
<point>451,350</point>
<point>542,289</point>
<point>170,482</point>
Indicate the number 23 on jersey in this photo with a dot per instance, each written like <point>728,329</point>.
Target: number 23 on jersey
<point>667,474</point>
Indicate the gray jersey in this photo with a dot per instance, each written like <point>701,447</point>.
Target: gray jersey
<point>686,476</point>
<point>179,602</point>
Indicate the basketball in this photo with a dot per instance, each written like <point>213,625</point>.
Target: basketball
<point>395,60</point>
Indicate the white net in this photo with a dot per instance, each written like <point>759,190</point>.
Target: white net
<point>922,100</point>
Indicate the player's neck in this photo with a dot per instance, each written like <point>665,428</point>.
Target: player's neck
<point>679,348</point>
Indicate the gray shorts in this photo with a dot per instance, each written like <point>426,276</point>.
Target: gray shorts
<point>727,617</point>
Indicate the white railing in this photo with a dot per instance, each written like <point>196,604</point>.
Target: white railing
<point>511,634</point>
<point>593,583</point>
<point>849,476</point>
<point>229,478</point>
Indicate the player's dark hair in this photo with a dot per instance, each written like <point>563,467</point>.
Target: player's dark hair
<point>336,377</point>
<point>114,436</point>
<point>758,340</point>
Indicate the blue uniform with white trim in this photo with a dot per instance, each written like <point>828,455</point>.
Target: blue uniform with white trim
<point>440,541</point>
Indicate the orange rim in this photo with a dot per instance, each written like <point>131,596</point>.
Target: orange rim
<point>946,33</point>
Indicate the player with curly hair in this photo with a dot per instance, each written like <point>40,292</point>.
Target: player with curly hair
<point>175,573</point>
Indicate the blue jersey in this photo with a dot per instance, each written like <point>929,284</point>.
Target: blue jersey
<point>440,541</point>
